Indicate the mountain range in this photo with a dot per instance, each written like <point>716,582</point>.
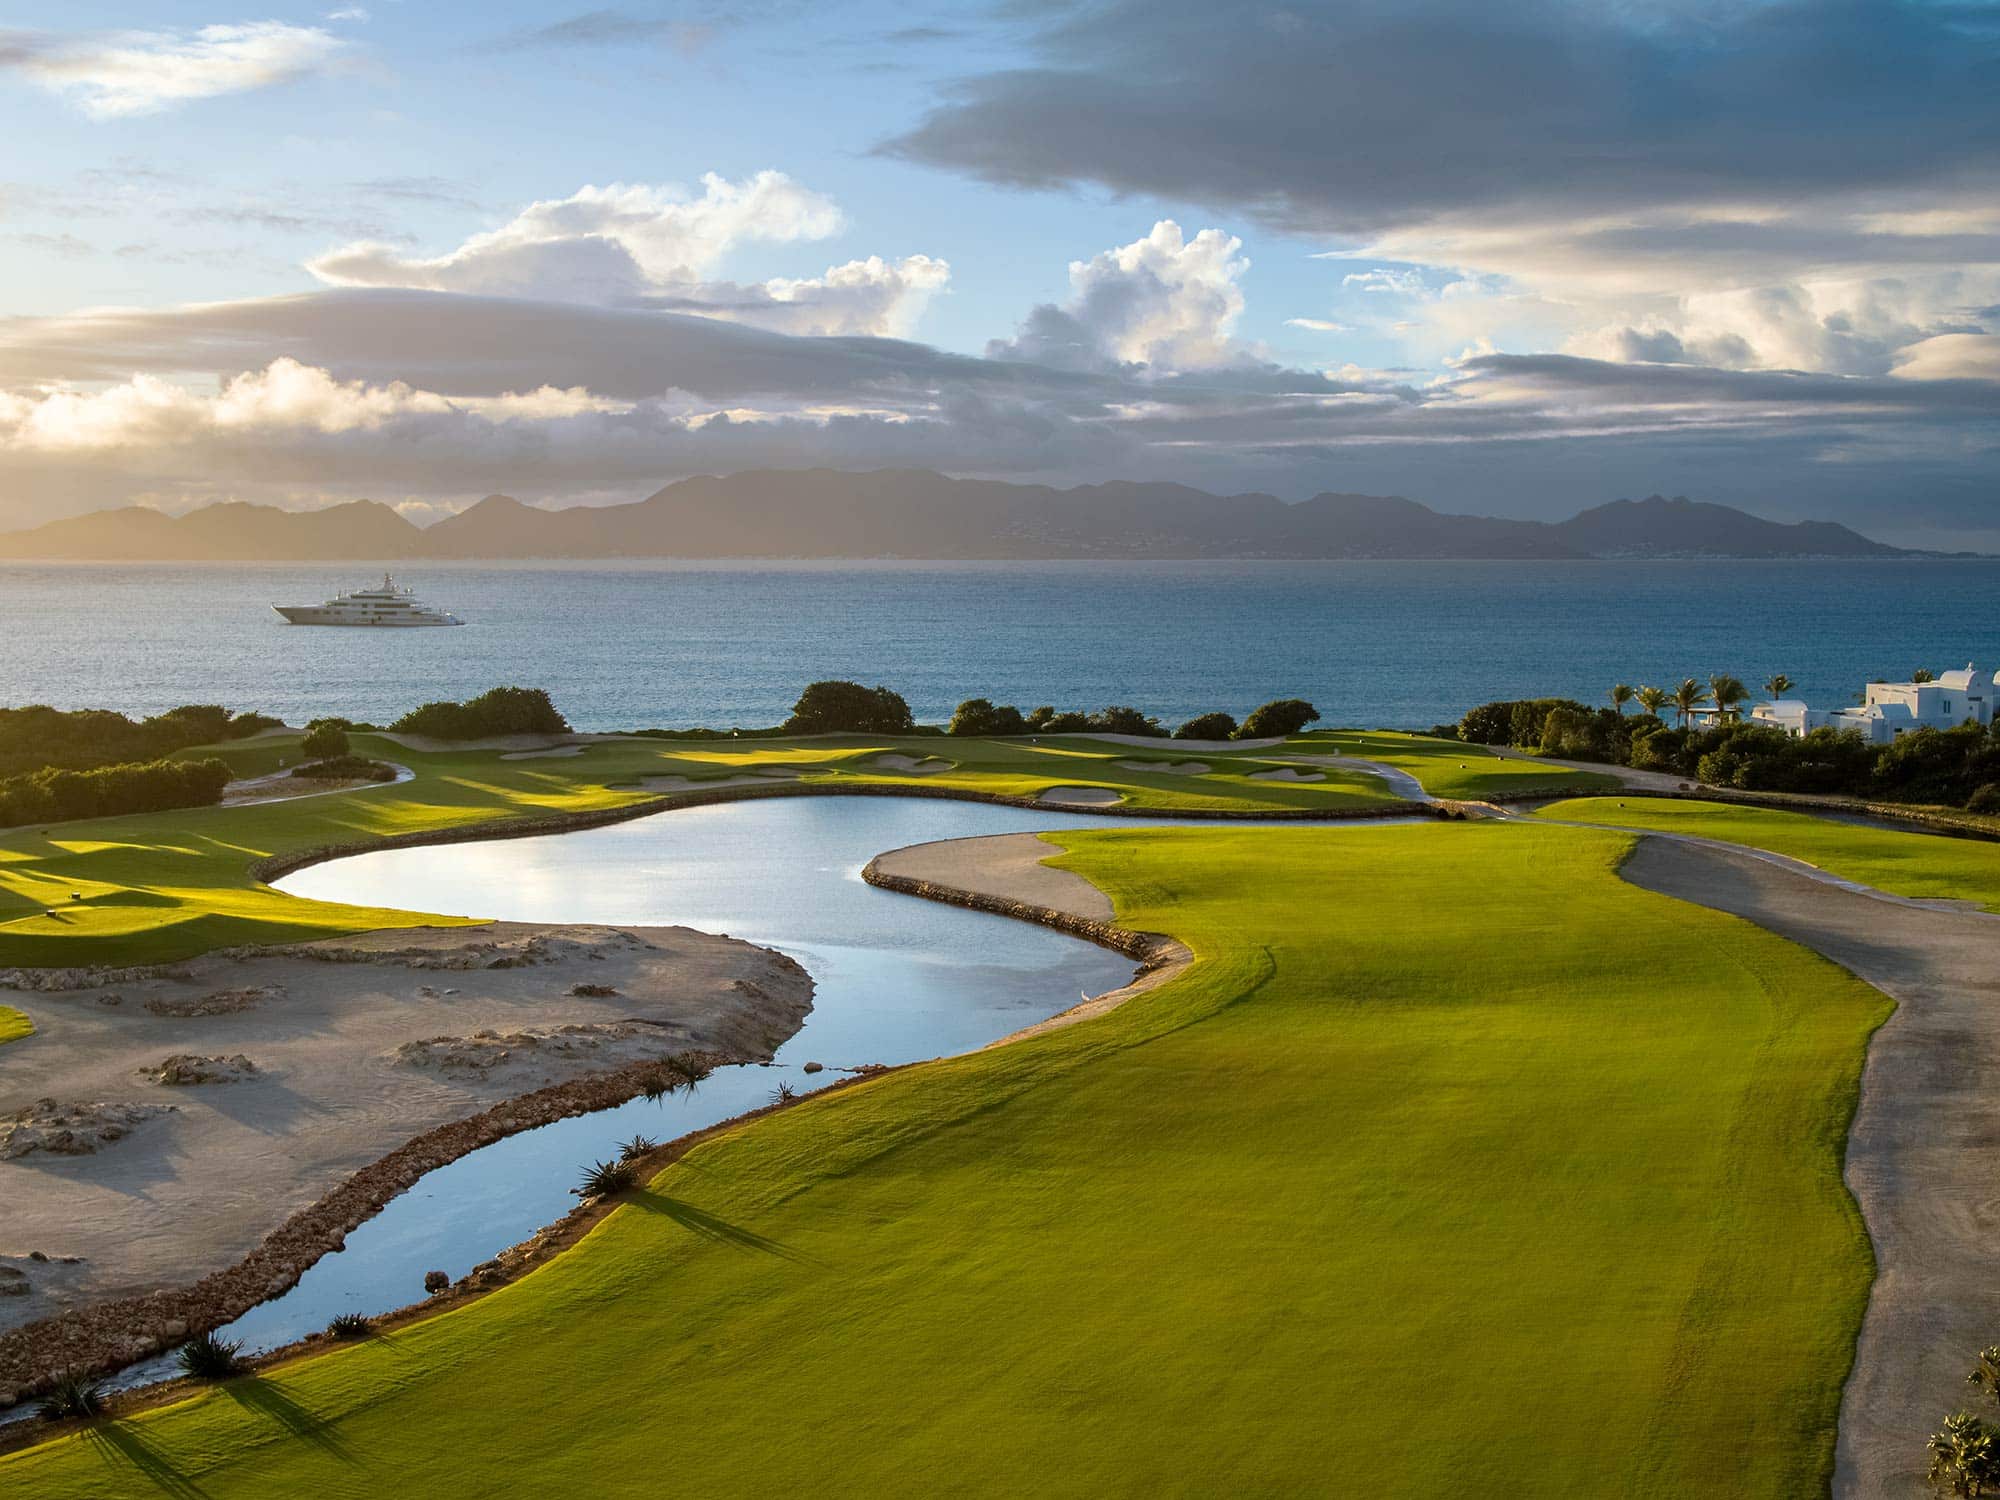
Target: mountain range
<point>915,513</point>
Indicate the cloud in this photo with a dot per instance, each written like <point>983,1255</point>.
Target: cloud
<point>601,244</point>
<point>609,28</point>
<point>117,74</point>
<point>1164,301</point>
<point>647,246</point>
<point>1950,356</point>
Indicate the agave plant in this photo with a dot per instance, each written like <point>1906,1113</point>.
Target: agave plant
<point>350,1326</point>
<point>1963,1459</point>
<point>207,1357</point>
<point>604,1178</point>
<point>74,1394</point>
<point>784,1093</point>
<point>637,1147</point>
<point>689,1069</point>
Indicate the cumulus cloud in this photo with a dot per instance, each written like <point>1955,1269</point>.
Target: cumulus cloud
<point>1950,356</point>
<point>602,244</point>
<point>632,244</point>
<point>1163,301</point>
<point>140,72</point>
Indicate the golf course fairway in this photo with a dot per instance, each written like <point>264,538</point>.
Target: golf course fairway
<point>1453,1165</point>
<point>1922,865</point>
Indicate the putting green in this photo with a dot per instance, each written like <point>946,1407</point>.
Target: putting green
<point>1904,864</point>
<point>1447,768</point>
<point>163,886</point>
<point>1454,1165</point>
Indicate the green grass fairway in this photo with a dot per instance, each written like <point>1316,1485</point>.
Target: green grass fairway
<point>1455,1166</point>
<point>1446,768</point>
<point>1903,864</point>
<point>14,1025</point>
<point>170,885</point>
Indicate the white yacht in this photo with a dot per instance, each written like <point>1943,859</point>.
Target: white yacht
<point>387,605</point>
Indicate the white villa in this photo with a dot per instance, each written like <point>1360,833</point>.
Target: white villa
<point>1892,708</point>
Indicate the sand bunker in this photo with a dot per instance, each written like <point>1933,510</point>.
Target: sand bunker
<point>283,786</point>
<point>930,765</point>
<point>193,1184</point>
<point>1286,773</point>
<point>1081,796</point>
<point>1169,767</point>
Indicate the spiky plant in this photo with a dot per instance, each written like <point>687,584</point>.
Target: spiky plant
<point>784,1093</point>
<point>1963,1460</point>
<point>74,1394</point>
<point>604,1178</point>
<point>637,1147</point>
<point>350,1326</point>
<point>659,1082</point>
<point>207,1357</point>
<point>689,1069</point>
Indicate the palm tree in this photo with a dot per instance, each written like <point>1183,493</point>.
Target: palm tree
<point>1652,700</point>
<point>1727,692</point>
<point>1689,696</point>
<point>1621,694</point>
<point>1963,1461</point>
<point>1779,685</point>
<point>1923,674</point>
<point>1986,1374</point>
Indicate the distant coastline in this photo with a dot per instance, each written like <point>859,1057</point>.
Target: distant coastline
<point>918,515</point>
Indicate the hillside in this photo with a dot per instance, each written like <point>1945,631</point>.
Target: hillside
<point>915,513</point>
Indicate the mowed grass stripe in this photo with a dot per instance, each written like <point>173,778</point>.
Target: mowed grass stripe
<point>1453,1165</point>
<point>1924,865</point>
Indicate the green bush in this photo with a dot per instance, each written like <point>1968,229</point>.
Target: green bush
<point>839,707</point>
<point>1985,799</point>
<point>58,796</point>
<point>1216,726</point>
<point>980,716</point>
<point>604,1178</point>
<point>39,737</point>
<point>324,739</point>
<point>1281,716</point>
<point>501,710</point>
<point>207,1357</point>
<point>349,1325</point>
<point>74,1394</point>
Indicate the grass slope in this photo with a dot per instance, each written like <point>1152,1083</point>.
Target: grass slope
<point>1446,768</point>
<point>1537,1194</point>
<point>1903,864</point>
<point>14,1025</point>
<point>170,885</point>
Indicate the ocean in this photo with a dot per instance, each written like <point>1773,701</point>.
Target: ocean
<point>621,646</point>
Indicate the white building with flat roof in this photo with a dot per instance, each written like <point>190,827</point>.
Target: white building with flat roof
<point>1889,709</point>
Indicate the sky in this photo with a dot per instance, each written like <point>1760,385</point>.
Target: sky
<point>1508,259</point>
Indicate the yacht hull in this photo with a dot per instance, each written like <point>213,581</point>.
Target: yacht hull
<point>313,614</point>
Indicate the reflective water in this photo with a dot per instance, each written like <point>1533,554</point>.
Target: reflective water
<point>896,980</point>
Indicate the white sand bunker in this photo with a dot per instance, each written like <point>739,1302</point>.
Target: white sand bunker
<point>71,1129</point>
<point>1169,767</point>
<point>930,765</point>
<point>1286,773</point>
<point>1081,796</point>
<point>545,754</point>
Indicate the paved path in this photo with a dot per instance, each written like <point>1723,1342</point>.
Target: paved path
<point>1923,1156</point>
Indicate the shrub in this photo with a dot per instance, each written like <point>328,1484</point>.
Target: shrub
<point>603,1178</point>
<point>324,740</point>
<point>1281,716</point>
<point>1118,719</point>
<point>1068,723</point>
<point>501,710</point>
<point>1985,799</point>
<point>350,1326</point>
<point>74,1394</point>
<point>40,738</point>
<point>637,1147</point>
<point>54,796</point>
<point>784,1093</point>
<point>436,1281</point>
<point>207,1357</point>
<point>246,724</point>
<point>346,768</point>
<point>1038,718</point>
<point>839,707</point>
<point>689,1069</point>
<point>1216,726</point>
<point>980,716</point>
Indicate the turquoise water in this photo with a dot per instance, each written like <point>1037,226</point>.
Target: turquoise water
<point>1400,644</point>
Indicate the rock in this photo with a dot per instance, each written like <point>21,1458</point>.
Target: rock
<point>184,1069</point>
<point>216,1002</point>
<point>41,1255</point>
<point>592,991</point>
<point>435,1282</point>
<point>173,1328</point>
<point>77,1129</point>
<point>813,1067</point>
<point>111,999</point>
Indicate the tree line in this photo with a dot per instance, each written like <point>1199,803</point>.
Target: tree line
<point>38,737</point>
<point>56,795</point>
<point>1958,767</point>
<point>840,707</point>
